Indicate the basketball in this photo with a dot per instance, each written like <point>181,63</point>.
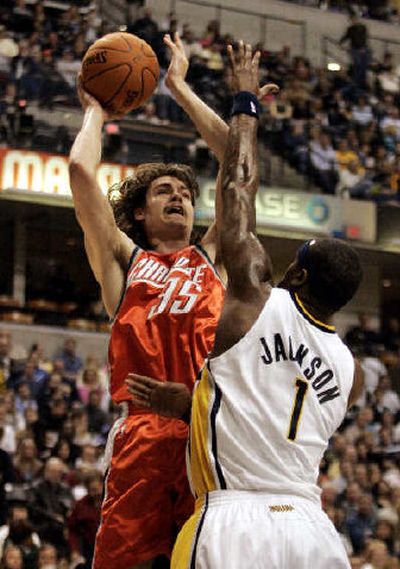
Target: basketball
<point>121,71</point>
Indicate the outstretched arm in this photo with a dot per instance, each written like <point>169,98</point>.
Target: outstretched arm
<point>245,260</point>
<point>107,248</point>
<point>247,264</point>
<point>211,127</point>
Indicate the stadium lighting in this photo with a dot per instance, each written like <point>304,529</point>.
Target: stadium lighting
<point>332,66</point>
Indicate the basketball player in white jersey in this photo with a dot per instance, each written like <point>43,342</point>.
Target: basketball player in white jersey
<point>275,387</point>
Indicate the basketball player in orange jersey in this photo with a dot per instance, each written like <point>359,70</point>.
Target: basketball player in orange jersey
<point>273,390</point>
<point>164,297</point>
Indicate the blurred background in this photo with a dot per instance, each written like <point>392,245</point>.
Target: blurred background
<point>329,150</point>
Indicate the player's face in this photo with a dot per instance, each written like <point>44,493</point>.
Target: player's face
<point>168,207</point>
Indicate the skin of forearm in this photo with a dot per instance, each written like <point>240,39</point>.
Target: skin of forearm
<point>240,175</point>
<point>211,127</point>
<point>86,149</point>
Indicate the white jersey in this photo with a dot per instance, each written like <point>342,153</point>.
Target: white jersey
<point>264,411</point>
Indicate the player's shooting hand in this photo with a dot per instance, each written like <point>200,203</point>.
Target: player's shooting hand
<point>88,101</point>
<point>179,62</point>
<point>165,398</point>
<point>245,68</point>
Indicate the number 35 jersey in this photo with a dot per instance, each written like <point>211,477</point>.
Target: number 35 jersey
<point>264,411</point>
<point>166,322</point>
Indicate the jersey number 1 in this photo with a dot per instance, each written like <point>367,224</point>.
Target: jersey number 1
<point>301,390</point>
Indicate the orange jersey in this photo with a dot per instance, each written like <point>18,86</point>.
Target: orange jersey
<point>166,322</point>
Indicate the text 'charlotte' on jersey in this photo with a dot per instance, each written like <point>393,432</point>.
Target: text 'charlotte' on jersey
<point>165,325</point>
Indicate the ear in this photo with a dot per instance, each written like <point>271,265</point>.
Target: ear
<point>299,278</point>
<point>138,214</point>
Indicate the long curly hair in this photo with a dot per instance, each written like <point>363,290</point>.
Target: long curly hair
<point>130,193</point>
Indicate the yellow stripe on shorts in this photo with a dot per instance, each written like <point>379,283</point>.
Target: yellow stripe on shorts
<point>201,473</point>
<point>185,545</point>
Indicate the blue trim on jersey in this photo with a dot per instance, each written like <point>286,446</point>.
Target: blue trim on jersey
<point>214,450</point>
<point>196,541</point>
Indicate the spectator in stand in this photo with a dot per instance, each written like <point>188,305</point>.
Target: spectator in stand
<point>33,376</point>
<point>387,77</point>
<point>349,499</point>
<point>7,431</point>
<point>362,423</point>
<point>16,513</point>
<point>361,524</point>
<point>373,369</point>
<point>90,380</point>
<point>48,557</point>
<point>389,398</point>
<point>376,555</point>
<point>356,36</point>
<point>391,335</point>
<point>99,420</point>
<point>27,466</point>
<point>145,27</point>
<point>51,501</point>
<point>361,113</point>
<point>362,338</point>
<point>353,181</point>
<point>82,436</point>
<point>324,164</point>
<point>12,558</point>
<point>21,535</point>
<point>344,155</point>
<point>296,147</point>
<point>8,365</point>
<point>65,451</point>
<point>68,67</point>
<point>84,521</point>
<point>72,362</point>
<point>88,461</point>
<point>7,476</point>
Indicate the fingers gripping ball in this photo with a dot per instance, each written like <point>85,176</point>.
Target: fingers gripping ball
<point>121,71</point>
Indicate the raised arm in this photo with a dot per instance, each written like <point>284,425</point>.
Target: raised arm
<point>244,257</point>
<point>211,127</point>
<point>247,264</point>
<point>108,249</point>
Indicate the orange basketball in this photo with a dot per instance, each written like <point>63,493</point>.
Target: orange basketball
<point>121,71</point>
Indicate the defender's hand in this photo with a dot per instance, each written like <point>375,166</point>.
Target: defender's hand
<point>179,62</point>
<point>246,71</point>
<point>165,398</point>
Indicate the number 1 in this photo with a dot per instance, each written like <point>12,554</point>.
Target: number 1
<point>302,387</point>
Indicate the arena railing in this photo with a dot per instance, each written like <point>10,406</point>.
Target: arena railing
<point>264,19</point>
<point>333,51</point>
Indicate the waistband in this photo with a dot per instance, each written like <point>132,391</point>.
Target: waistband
<point>219,497</point>
<point>130,408</point>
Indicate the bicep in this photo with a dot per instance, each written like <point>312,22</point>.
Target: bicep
<point>108,248</point>
<point>109,267</point>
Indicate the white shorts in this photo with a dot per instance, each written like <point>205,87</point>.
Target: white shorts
<point>252,530</point>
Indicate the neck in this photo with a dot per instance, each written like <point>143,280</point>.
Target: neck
<point>314,308</point>
<point>168,246</point>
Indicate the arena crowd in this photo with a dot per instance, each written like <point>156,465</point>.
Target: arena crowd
<point>55,413</point>
<point>339,129</point>
<point>342,130</point>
